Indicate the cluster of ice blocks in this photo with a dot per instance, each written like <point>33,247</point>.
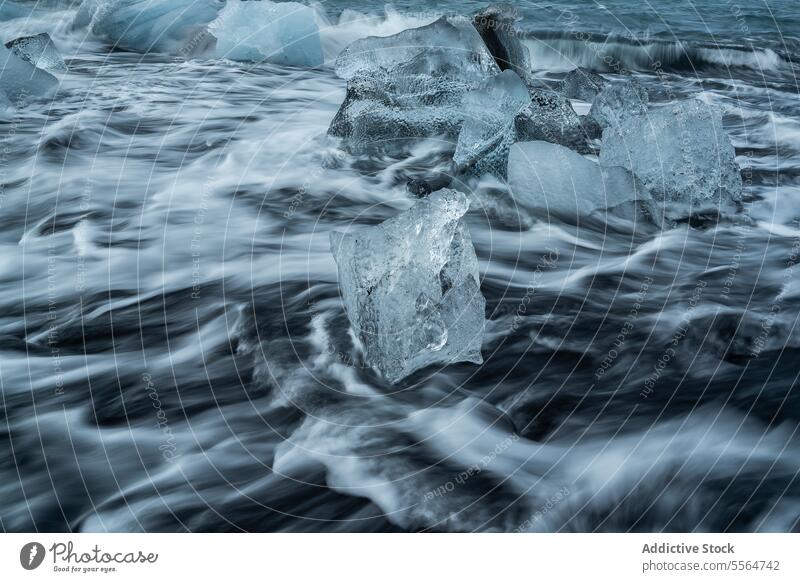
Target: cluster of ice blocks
<point>410,285</point>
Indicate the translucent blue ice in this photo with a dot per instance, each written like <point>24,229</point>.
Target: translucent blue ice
<point>410,287</point>
<point>20,81</point>
<point>278,32</point>
<point>38,50</point>
<point>488,129</point>
<point>556,179</point>
<point>680,152</point>
<point>162,26</point>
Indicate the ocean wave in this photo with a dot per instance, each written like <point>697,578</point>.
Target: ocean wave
<point>555,50</point>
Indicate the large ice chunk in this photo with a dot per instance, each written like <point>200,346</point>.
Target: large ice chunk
<point>21,81</point>
<point>556,179</point>
<point>383,112</point>
<point>616,102</point>
<point>488,129</point>
<point>416,99</point>
<point>39,51</point>
<point>278,32</point>
<point>582,84</point>
<point>410,85</point>
<point>496,25</point>
<point>450,43</point>
<point>680,152</point>
<point>162,26</point>
<point>550,117</point>
<point>410,287</point>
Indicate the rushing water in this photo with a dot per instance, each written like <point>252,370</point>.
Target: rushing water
<point>175,355</point>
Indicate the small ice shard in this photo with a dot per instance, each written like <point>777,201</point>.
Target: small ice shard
<point>582,84</point>
<point>550,117</point>
<point>680,152</point>
<point>20,81</point>
<point>410,287</point>
<point>285,33</point>
<point>548,176</point>
<point>488,129</point>
<point>618,101</point>
<point>448,42</point>
<point>144,26</point>
<point>496,25</point>
<point>39,51</point>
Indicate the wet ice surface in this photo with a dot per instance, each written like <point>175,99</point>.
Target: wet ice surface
<point>389,111</point>
<point>21,81</point>
<point>488,130</point>
<point>164,26</point>
<point>166,227</point>
<point>550,117</point>
<point>680,152</point>
<point>410,85</point>
<point>582,84</point>
<point>411,287</point>
<point>558,180</point>
<point>278,32</point>
<point>39,51</point>
<point>615,103</point>
<point>453,40</point>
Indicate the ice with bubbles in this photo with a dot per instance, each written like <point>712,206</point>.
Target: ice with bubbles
<point>10,10</point>
<point>582,84</point>
<point>409,85</point>
<point>410,287</point>
<point>21,82</point>
<point>387,111</point>
<point>616,102</point>
<point>554,178</point>
<point>488,129</point>
<point>285,33</point>
<point>160,26</point>
<point>496,25</point>
<point>679,151</point>
<point>449,43</point>
<point>39,51</point>
<point>549,116</point>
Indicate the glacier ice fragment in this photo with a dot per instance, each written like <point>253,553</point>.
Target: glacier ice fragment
<point>285,33</point>
<point>39,51</point>
<point>496,25</point>
<point>160,26</point>
<point>548,176</point>
<point>21,81</point>
<point>450,43</point>
<point>410,287</point>
<point>550,117</point>
<point>582,84</point>
<point>680,152</point>
<point>618,101</point>
<point>488,129</point>
<point>410,85</point>
<point>385,112</point>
